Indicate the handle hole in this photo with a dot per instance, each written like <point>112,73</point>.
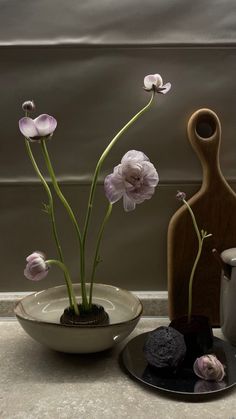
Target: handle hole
<point>205,126</point>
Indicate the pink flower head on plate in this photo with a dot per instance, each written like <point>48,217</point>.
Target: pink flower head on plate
<point>39,128</point>
<point>208,367</point>
<point>155,82</point>
<point>134,179</point>
<point>36,268</point>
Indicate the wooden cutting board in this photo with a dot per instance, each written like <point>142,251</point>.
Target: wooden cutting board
<point>214,206</point>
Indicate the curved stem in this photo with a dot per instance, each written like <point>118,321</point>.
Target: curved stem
<point>96,256</point>
<point>200,243</point>
<point>194,221</point>
<point>99,165</point>
<point>62,266</point>
<point>72,217</point>
<point>190,288</point>
<point>50,206</point>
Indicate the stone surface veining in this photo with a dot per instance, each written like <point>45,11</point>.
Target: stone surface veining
<point>37,383</point>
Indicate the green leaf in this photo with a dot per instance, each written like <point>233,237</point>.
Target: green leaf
<point>46,208</point>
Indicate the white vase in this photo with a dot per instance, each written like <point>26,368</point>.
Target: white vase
<point>228,296</point>
<point>39,315</point>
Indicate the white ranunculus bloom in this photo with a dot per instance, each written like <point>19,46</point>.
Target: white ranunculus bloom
<point>155,82</point>
<point>36,129</point>
<point>134,179</point>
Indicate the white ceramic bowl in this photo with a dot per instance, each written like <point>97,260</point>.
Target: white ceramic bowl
<point>39,315</point>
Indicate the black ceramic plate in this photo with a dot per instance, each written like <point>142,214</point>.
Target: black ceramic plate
<point>185,382</point>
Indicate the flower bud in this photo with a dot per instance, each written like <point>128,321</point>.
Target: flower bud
<point>36,268</point>
<point>28,106</point>
<point>208,367</point>
<point>180,196</point>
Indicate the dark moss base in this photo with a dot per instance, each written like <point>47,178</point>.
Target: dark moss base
<point>96,316</point>
<point>198,336</point>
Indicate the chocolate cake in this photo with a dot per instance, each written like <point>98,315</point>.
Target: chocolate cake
<point>164,348</point>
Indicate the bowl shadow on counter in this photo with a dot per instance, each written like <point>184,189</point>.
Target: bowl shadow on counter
<point>41,363</point>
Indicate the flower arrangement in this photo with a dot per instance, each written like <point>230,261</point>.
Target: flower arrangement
<point>201,236</point>
<point>134,180</point>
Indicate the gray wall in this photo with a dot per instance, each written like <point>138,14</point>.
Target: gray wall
<point>84,63</point>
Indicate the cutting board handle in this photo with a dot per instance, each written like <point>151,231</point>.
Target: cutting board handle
<point>204,134</point>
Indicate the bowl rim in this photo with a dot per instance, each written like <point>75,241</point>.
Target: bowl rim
<point>32,320</point>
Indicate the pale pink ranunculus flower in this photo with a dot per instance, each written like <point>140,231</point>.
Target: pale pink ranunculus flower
<point>208,367</point>
<point>155,82</point>
<point>36,268</point>
<point>134,179</point>
<point>39,128</point>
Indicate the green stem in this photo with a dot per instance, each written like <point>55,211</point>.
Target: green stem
<point>190,293</point>
<point>200,243</point>
<point>68,282</point>
<point>99,165</point>
<point>194,221</point>
<point>96,256</point>
<point>72,217</point>
<point>51,205</point>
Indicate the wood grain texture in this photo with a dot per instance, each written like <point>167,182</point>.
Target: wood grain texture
<point>214,206</point>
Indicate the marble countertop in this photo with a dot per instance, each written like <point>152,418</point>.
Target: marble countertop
<point>37,383</point>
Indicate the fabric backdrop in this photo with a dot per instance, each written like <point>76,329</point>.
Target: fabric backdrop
<point>84,62</point>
